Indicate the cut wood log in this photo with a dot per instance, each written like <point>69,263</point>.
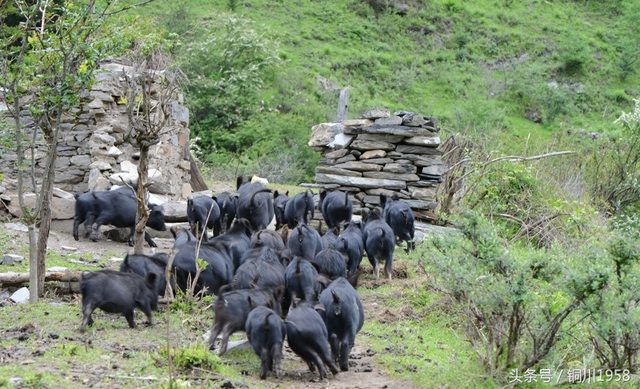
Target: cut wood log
<point>21,278</point>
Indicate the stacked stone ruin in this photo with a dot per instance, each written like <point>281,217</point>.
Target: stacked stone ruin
<point>381,153</point>
<point>93,154</point>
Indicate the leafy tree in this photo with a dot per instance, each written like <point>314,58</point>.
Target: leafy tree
<point>226,70</point>
<point>48,62</point>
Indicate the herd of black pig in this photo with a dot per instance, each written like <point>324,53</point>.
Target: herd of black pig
<point>293,283</point>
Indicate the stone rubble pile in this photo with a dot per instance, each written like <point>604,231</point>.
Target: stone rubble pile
<point>381,153</point>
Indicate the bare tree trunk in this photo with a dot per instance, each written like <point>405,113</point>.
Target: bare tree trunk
<point>142,214</point>
<point>45,228</point>
<point>33,264</point>
<point>197,181</point>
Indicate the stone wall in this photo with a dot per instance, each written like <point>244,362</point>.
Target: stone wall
<point>92,152</point>
<point>381,153</point>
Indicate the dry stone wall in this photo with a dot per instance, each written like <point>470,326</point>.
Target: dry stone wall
<point>93,154</point>
<point>381,153</point>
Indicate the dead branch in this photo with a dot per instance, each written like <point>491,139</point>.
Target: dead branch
<point>21,278</point>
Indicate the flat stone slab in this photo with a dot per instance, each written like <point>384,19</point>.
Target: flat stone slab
<point>359,166</point>
<point>337,171</point>
<point>392,176</point>
<point>408,149</point>
<point>397,130</point>
<point>429,141</point>
<point>366,145</point>
<point>360,182</point>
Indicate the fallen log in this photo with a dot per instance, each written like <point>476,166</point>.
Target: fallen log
<point>21,278</point>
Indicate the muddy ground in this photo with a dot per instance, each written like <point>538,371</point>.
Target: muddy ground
<point>117,346</point>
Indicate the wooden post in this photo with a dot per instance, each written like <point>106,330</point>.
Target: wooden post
<point>343,104</point>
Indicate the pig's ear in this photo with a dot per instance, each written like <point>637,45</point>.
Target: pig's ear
<point>336,299</point>
<point>319,307</point>
<point>151,279</point>
<point>252,304</point>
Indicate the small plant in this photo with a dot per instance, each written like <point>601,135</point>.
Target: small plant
<point>197,355</point>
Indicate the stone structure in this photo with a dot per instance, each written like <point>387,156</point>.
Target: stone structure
<point>92,153</point>
<point>381,153</point>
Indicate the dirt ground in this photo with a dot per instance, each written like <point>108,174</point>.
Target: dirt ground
<point>364,372</point>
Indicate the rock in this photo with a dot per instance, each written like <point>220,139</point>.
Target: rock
<point>405,131</point>
<point>12,259</point>
<point>399,168</point>
<point>407,149</point>
<point>340,141</point>
<point>357,122</point>
<point>61,208</point>
<point>372,145</point>
<point>376,114</point>
<point>113,151</point>
<point>325,133</point>
<point>337,154</point>
<point>81,160</point>
<point>419,193</point>
<point>118,178</point>
<point>115,260</point>
<point>338,171</point>
<point>379,161</point>
<point>388,193</point>
<point>175,212</point>
<point>16,227</point>
<point>381,137</point>
<point>103,139</point>
<point>129,167</point>
<point>69,177</point>
<point>413,119</point>
<point>359,166</point>
<point>389,121</point>
<point>437,170</point>
<point>57,192</point>
<point>360,182</point>
<point>69,248</point>
<point>373,154</point>
<point>346,158</point>
<point>392,176</point>
<point>429,141</point>
<point>100,165</point>
<point>20,296</point>
<point>421,204</point>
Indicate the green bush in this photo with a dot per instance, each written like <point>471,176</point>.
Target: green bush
<point>515,299</point>
<point>574,54</point>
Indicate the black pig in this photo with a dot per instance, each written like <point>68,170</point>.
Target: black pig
<point>202,213</point>
<point>304,241</point>
<point>266,332</point>
<point>344,317</point>
<point>350,243</point>
<point>142,265</point>
<point>254,204</point>
<point>308,338</point>
<point>231,309</point>
<point>332,263</point>
<point>379,242</point>
<point>279,203</point>
<point>117,292</point>
<point>336,207</point>
<point>227,204</point>
<point>299,208</point>
<point>118,208</point>
<point>400,218</point>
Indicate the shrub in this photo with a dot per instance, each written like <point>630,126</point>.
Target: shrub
<point>515,301</point>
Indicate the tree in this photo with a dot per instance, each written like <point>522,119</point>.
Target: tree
<point>148,112</point>
<point>48,61</point>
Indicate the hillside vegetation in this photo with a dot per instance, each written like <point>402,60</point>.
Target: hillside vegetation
<point>263,72</point>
